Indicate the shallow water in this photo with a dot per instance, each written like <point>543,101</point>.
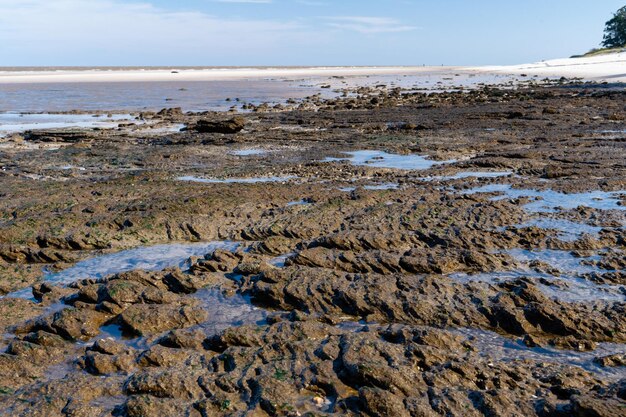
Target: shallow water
<point>20,122</point>
<point>499,348</point>
<point>386,186</point>
<point>236,180</point>
<point>151,258</point>
<point>550,199</point>
<point>569,231</point>
<point>279,261</point>
<point>299,203</point>
<point>190,95</point>
<point>381,159</point>
<point>222,94</point>
<point>175,128</point>
<point>468,174</point>
<point>568,285</point>
<point>225,312</point>
<point>249,152</point>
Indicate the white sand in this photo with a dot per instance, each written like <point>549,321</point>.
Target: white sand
<point>61,76</point>
<point>608,67</point>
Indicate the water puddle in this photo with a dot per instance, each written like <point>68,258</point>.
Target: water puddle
<point>381,159</point>
<point>564,261</point>
<point>71,168</point>
<point>176,128</point>
<point>249,152</point>
<point>151,258</point>
<point>279,261</point>
<point>613,131</point>
<point>563,279</point>
<point>551,200</point>
<point>236,180</point>
<point>568,231</point>
<point>303,202</point>
<point>225,312</point>
<point>386,186</point>
<point>468,174</point>
<point>499,348</point>
<point>20,122</point>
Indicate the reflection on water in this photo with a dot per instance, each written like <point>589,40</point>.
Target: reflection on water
<point>468,174</point>
<point>249,152</point>
<point>225,312</point>
<point>20,122</point>
<point>381,159</point>
<point>498,348</point>
<point>568,231</point>
<point>564,280</point>
<point>550,199</point>
<point>190,95</point>
<point>386,186</point>
<point>223,93</point>
<point>152,258</point>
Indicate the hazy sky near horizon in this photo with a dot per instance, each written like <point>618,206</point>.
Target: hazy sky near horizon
<point>297,32</point>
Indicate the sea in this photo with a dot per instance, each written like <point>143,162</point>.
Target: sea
<point>217,95</point>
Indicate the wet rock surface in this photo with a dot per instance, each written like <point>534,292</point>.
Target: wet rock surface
<point>471,262</point>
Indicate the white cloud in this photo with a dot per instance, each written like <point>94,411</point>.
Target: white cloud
<point>99,32</point>
<point>367,24</point>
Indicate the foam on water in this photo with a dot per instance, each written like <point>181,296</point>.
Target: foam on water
<point>381,159</point>
<point>236,180</point>
<point>550,200</point>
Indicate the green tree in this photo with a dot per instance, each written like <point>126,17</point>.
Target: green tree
<point>615,30</point>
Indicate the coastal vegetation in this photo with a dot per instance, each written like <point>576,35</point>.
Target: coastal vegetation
<point>615,30</point>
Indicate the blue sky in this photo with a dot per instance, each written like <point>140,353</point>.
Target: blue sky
<point>297,32</point>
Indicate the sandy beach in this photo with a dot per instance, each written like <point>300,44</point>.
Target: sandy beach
<point>609,67</point>
<point>210,74</point>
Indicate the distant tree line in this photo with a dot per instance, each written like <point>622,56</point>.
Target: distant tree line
<point>615,30</point>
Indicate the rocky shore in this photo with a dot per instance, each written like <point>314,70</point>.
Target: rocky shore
<point>385,253</point>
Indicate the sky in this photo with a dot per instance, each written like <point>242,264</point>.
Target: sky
<point>297,32</point>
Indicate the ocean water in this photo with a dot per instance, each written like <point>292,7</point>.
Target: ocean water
<point>136,96</point>
<point>216,94</point>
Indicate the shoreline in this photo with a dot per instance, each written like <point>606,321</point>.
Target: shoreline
<point>608,67</point>
<point>216,74</point>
